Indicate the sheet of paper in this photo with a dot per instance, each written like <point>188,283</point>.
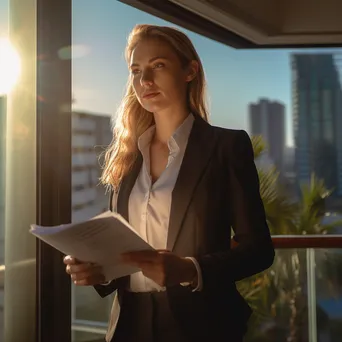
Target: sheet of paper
<point>100,240</point>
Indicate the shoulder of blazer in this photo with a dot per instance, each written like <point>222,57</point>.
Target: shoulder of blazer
<point>234,146</point>
<point>229,138</point>
<point>229,133</point>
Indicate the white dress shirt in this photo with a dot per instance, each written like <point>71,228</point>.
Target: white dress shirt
<point>150,203</point>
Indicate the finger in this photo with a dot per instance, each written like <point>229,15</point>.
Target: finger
<point>79,268</point>
<point>93,273</point>
<point>69,260</point>
<point>79,276</point>
<point>94,280</point>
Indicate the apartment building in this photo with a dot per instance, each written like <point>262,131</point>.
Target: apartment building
<point>267,118</point>
<point>91,133</point>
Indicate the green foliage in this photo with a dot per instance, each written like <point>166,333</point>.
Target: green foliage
<point>276,292</point>
<point>284,216</point>
<point>280,211</point>
<point>259,145</point>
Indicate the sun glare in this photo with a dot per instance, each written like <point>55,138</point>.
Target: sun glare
<point>9,66</point>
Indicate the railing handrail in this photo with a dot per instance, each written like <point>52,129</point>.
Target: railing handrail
<point>304,241</point>
<point>307,241</point>
<point>279,242</point>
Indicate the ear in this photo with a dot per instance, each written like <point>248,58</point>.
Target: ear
<point>192,71</point>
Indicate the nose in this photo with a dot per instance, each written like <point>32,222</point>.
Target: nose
<point>146,79</point>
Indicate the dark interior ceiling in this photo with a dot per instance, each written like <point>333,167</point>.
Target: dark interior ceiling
<point>275,22</point>
<point>255,23</point>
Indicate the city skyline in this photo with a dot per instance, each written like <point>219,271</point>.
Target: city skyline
<point>235,77</point>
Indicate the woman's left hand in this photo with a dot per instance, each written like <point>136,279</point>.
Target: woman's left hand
<point>163,267</point>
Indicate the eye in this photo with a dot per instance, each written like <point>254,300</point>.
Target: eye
<point>158,65</point>
<point>135,71</point>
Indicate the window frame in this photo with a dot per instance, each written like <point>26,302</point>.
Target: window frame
<point>54,98</point>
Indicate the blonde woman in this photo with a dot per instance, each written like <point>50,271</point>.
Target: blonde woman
<point>182,184</point>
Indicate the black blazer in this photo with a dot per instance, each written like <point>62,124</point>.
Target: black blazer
<point>217,188</point>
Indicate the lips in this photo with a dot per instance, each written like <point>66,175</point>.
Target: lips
<point>150,95</point>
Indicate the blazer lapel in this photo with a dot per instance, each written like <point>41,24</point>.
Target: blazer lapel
<point>122,208</point>
<point>197,155</point>
<point>126,187</point>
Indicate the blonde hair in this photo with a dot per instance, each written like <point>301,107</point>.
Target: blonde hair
<point>132,119</point>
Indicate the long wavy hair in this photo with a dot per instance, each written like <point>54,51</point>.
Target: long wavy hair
<point>132,119</point>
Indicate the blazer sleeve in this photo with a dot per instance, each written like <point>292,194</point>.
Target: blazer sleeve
<point>107,289</point>
<point>255,251</point>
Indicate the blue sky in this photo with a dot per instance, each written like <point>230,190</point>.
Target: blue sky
<point>235,77</point>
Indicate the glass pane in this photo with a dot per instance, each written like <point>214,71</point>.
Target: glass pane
<point>90,134</point>
<point>18,165</point>
<point>85,336</point>
<point>3,115</point>
<point>298,299</point>
<point>290,98</point>
<point>2,207</point>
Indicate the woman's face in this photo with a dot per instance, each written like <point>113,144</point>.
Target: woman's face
<point>159,80</point>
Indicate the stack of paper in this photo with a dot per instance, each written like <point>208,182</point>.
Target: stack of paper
<point>100,240</point>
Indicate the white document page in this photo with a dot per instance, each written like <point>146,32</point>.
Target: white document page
<point>99,240</point>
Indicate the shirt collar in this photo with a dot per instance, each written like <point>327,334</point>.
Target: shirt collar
<point>178,139</point>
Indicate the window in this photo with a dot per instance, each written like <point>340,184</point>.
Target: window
<point>17,171</point>
<point>3,116</point>
<point>266,92</point>
<point>91,133</point>
<point>2,207</point>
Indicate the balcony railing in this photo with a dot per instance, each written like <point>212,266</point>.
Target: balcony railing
<point>304,241</point>
<point>311,247</point>
<point>308,246</point>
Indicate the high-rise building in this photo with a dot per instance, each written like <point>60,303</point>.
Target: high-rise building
<point>91,134</point>
<point>317,119</point>
<point>267,118</point>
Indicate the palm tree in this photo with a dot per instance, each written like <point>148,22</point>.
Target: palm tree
<point>276,293</point>
<point>280,209</point>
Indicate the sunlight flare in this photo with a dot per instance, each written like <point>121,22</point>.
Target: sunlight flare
<point>9,66</point>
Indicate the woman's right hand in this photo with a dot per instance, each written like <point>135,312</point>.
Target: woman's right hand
<point>83,273</point>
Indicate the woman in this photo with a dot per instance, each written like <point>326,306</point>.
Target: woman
<point>182,184</point>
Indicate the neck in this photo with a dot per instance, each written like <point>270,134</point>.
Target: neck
<point>167,122</point>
